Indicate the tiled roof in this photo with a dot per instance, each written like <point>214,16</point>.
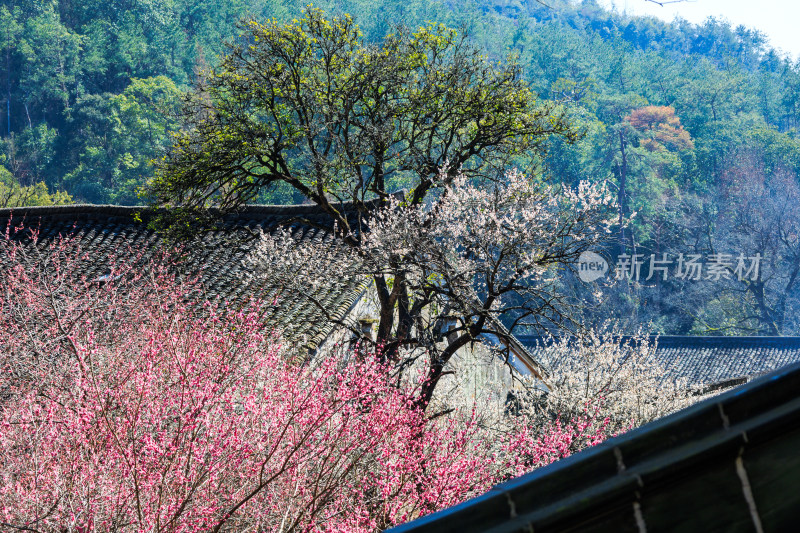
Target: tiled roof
<point>219,255</point>
<point>708,361</point>
<point>728,463</point>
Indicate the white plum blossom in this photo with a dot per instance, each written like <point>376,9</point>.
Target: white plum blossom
<point>477,254</point>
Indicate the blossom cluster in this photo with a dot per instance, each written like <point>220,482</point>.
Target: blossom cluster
<point>619,375</point>
<point>128,404</point>
<point>470,257</point>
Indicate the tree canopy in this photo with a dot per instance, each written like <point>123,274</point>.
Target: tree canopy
<point>311,105</point>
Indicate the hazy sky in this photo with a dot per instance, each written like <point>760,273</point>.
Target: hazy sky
<point>778,19</point>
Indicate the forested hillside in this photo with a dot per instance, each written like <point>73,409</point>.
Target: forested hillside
<point>694,126</point>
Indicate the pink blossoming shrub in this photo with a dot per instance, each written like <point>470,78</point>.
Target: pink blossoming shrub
<point>125,405</point>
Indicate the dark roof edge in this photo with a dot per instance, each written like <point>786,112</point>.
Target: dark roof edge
<point>246,211</point>
<point>514,343</point>
<point>70,209</point>
<point>661,452</point>
<point>686,340</point>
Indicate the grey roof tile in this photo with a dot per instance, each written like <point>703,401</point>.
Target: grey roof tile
<point>218,257</point>
<point>706,361</point>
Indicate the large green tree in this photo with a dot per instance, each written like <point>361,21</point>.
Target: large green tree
<point>310,106</point>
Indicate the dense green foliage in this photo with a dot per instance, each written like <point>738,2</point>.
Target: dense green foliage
<point>88,88</point>
<point>695,125</point>
<point>310,105</point>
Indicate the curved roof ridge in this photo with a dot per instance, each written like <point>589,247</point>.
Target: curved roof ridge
<point>69,209</point>
<point>120,210</point>
<point>728,339</point>
<point>738,337</point>
<point>711,339</point>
